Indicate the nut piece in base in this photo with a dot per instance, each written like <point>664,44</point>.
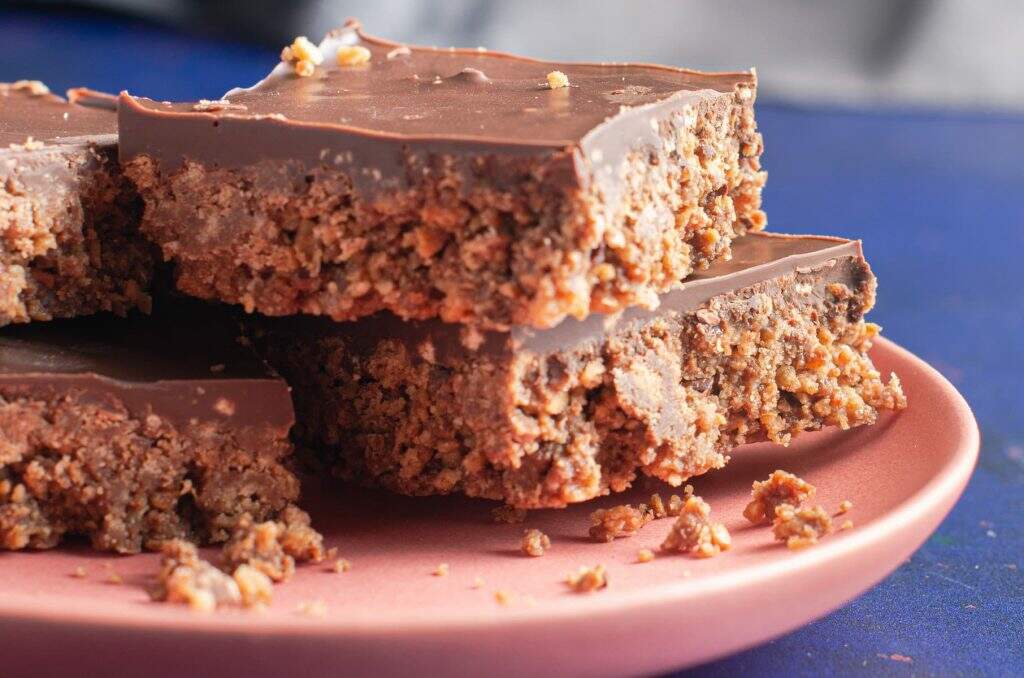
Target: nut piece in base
<point>695,533</point>
<point>535,543</point>
<point>801,527</point>
<point>781,487</point>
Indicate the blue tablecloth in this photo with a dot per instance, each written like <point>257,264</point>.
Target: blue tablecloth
<point>938,199</point>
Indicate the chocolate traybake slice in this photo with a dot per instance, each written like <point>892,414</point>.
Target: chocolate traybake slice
<point>764,346</point>
<point>452,183</point>
<point>136,431</point>
<point>69,241</point>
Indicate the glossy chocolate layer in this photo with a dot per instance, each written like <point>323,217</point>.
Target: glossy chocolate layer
<point>51,120</point>
<point>453,101</point>
<point>757,257</point>
<point>183,364</point>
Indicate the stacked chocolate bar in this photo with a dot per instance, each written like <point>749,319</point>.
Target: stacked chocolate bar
<point>534,280</point>
<point>509,278</point>
<point>129,430</point>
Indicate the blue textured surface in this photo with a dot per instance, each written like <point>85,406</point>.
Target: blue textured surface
<point>938,200</point>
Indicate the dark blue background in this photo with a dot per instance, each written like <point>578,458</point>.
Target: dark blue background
<point>938,199</point>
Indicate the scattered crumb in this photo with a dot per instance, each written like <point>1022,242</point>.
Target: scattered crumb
<point>114,578</point>
<point>273,547</point>
<point>535,543</point>
<point>675,503</point>
<point>844,507</point>
<point>624,520</point>
<point>557,80</point>
<point>508,514</point>
<point>644,556</point>
<point>781,487</point>
<point>303,55</point>
<point>302,49</point>
<point>847,525</point>
<point>896,657</point>
<point>587,579</point>
<point>353,55</point>
<point>801,527</point>
<point>657,506</point>
<point>695,533</point>
<point>503,597</point>
<point>217,369</point>
<point>78,573</point>
<point>478,583</point>
<point>341,565</point>
<point>312,608</point>
<point>659,509</point>
<point>185,578</point>
<point>331,553</point>
<point>254,587</point>
<point>441,570</point>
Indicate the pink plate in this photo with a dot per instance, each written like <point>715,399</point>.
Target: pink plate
<point>390,616</point>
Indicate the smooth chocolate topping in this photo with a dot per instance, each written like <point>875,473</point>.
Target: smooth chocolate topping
<point>185,364</point>
<point>757,257</point>
<point>406,98</point>
<point>51,120</point>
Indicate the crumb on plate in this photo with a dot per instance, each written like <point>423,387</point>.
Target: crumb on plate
<point>624,520</point>
<point>781,487</point>
<point>587,579</point>
<point>800,527</point>
<point>535,543</point>
<point>695,533</point>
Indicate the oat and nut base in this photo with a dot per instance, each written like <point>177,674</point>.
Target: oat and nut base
<point>70,466</point>
<point>69,240</point>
